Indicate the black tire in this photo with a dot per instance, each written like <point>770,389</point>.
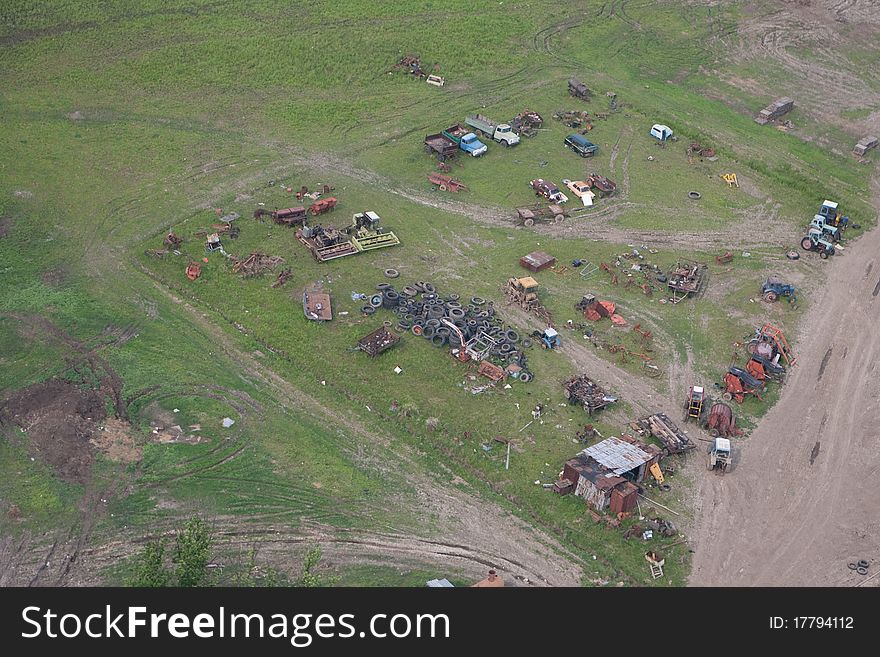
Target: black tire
<point>376,300</point>
<point>429,288</point>
<point>383,286</point>
<point>417,329</point>
<point>505,348</point>
<point>806,244</point>
<point>852,566</point>
<point>428,331</point>
<point>456,313</point>
<point>526,343</point>
<point>525,376</point>
<point>511,335</point>
<point>409,291</point>
<point>862,571</point>
<point>664,487</point>
<point>368,310</point>
<point>478,301</point>
<point>392,273</point>
<point>861,563</point>
<point>823,255</point>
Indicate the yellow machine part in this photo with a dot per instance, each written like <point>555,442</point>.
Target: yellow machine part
<point>657,472</point>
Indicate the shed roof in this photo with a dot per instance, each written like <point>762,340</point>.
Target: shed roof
<point>434,583</point>
<point>618,455</point>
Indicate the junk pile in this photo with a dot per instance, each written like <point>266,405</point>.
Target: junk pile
<point>685,279</point>
<point>663,429</point>
<point>412,64</point>
<point>445,183</point>
<point>695,149</point>
<point>172,241</point>
<point>256,264</point>
<point>578,89</point>
<point>526,123</point>
<point>574,119</point>
<point>283,276</point>
<point>594,310</point>
<point>583,390</point>
<point>472,329</point>
<point>378,341</point>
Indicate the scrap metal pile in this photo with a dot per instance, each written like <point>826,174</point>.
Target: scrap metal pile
<point>583,390</point>
<point>685,279</point>
<point>526,123</point>
<point>663,429</point>
<point>574,119</point>
<point>256,264</point>
<point>472,328</point>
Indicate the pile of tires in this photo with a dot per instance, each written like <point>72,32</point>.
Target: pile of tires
<point>421,310</point>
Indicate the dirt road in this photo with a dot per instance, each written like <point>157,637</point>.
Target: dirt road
<point>800,503</point>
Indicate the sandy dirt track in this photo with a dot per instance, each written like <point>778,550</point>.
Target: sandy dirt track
<point>800,503</point>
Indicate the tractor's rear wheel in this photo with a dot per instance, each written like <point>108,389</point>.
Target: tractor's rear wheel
<point>727,396</point>
<point>823,255</point>
<point>770,296</point>
<point>529,223</point>
<point>559,218</point>
<point>806,244</point>
<point>709,465</point>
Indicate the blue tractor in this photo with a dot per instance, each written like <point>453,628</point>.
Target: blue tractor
<point>774,288</point>
<point>549,338</point>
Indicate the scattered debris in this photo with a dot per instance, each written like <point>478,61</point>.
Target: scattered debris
<point>583,390</point>
<point>686,279</point>
<point>578,89</point>
<point>283,276</point>
<point>256,264</point>
<point>663,429</point>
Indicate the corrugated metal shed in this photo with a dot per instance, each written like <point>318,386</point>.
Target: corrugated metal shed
<point>618,455</point>
<point>440,583</point>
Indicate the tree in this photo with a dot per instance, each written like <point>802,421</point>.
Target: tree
<point>192,553</point>
<point>151,570</point>
<point>308,578</point>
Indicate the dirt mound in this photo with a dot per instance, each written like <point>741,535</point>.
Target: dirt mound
<point>59,417</point>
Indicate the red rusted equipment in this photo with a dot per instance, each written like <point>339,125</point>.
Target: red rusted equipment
<point>769,341</point>
<point>605,186</point>
<point>323,205</point>
<point>193,270</point>
<point>446,183</point>
<point>605,267</point>
<point>725,258</point>
<point>721,421</point>
<point>289,216</point>
<point>172,241</point>
<point>301,193</point>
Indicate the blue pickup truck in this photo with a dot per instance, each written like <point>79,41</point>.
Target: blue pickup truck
<point>466,140</point>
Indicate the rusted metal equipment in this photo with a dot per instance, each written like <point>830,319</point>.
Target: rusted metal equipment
<point>538,212</point>
<point>527,123</point>
<point>283,276</point>
<point>665,430</point>
<point>695,149</point>
<point>604,267</point>
<point>446,183</point>
<point>172,241</point>
<point>326,243</point>
<point>737,383</point>
<point>724,258</point>
<point>605,186</point>
<point>685,279</point>
<point>366,233</point>
<point>193,270</point>
<point>256,264</point>
<point>491,371</point>
<point>285,217</point>
<point>769,341</point>
<point>378,341</point>
<point>721,421</point>
<point>575,119</point>
<point>441,146</point>
<point>583,390</point>
<point>578,89</point>
<point>323,205</point>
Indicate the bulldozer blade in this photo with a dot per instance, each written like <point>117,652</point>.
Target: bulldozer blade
<point>375,241</point>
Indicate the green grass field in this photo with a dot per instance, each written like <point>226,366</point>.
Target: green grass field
<point>125,120</point>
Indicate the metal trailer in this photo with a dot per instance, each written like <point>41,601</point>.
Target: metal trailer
<point>441,146</point>
<point>529,215</point>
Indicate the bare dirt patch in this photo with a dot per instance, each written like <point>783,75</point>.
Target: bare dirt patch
<point>59,418</point>
<point>54,277</point>
<point>116,442</point>
<point>5,226</point>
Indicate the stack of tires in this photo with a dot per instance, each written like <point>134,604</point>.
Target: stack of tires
<point>420,308</point>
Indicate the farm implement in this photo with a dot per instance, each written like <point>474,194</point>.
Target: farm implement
<point>366,233</point>
<point>446,183</point>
